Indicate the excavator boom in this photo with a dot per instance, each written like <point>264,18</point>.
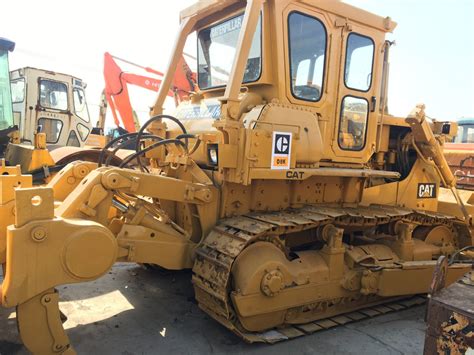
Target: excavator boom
<point>117,95</point>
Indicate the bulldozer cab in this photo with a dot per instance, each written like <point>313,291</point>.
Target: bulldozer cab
<point>51,103</point>
<point>321,63</point>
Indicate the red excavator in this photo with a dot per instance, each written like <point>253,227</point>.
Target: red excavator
<point>116,90</point>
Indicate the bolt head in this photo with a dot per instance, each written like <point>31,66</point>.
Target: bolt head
<point>38,234</point>
<point>272,283</point>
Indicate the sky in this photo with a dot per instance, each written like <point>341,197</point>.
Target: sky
<point>432,62</point>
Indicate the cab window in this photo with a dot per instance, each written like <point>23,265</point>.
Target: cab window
<point>216,51</point>
<point>353,123</point>
<point>80,105</point>
<point>307,45</point>
<point>18,90</point>
<point>53,94</point>
<point>83,131</point>
<point>465,134</point>
<point>52,128</point>
<point>72,140</point>
<point>359,62</point>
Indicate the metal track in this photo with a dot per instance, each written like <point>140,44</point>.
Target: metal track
<point>216,255</point>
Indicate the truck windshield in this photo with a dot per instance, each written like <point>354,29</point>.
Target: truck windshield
<point>216,51</point>
<point>6,110</point>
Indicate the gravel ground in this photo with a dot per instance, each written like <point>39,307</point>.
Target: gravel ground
<point>136,311</point>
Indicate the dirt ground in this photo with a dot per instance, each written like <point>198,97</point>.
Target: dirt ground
<point>132,310</point>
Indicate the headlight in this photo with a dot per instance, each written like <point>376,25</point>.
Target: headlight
<point>212,154</point>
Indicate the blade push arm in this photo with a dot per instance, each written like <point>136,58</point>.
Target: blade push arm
<point>429,149</point>
<point>80,240</point>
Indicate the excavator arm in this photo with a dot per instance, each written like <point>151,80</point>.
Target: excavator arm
<point>116,88</point>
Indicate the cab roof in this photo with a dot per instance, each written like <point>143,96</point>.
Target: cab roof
<point>207,7</point>
<point>40,71</point>
<point>465,121</point>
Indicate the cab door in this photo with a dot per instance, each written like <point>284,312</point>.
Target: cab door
<point>53,110</point>
<point>357,107</point>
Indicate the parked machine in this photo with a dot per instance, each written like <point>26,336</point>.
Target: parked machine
<point>115,97</point>
<point>460,154</point>
<point>31,157</point>
<point>40,110</point>
<point>51,114</point>
<point>52,103</point>
<point>116,89</point>
<point>53,123</point>
<point>48,117</point>
<point>283,183</point>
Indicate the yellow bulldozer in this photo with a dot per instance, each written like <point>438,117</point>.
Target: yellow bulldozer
<point>284,184</point>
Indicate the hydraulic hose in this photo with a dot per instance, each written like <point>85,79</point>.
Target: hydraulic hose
<point>153,146</point>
